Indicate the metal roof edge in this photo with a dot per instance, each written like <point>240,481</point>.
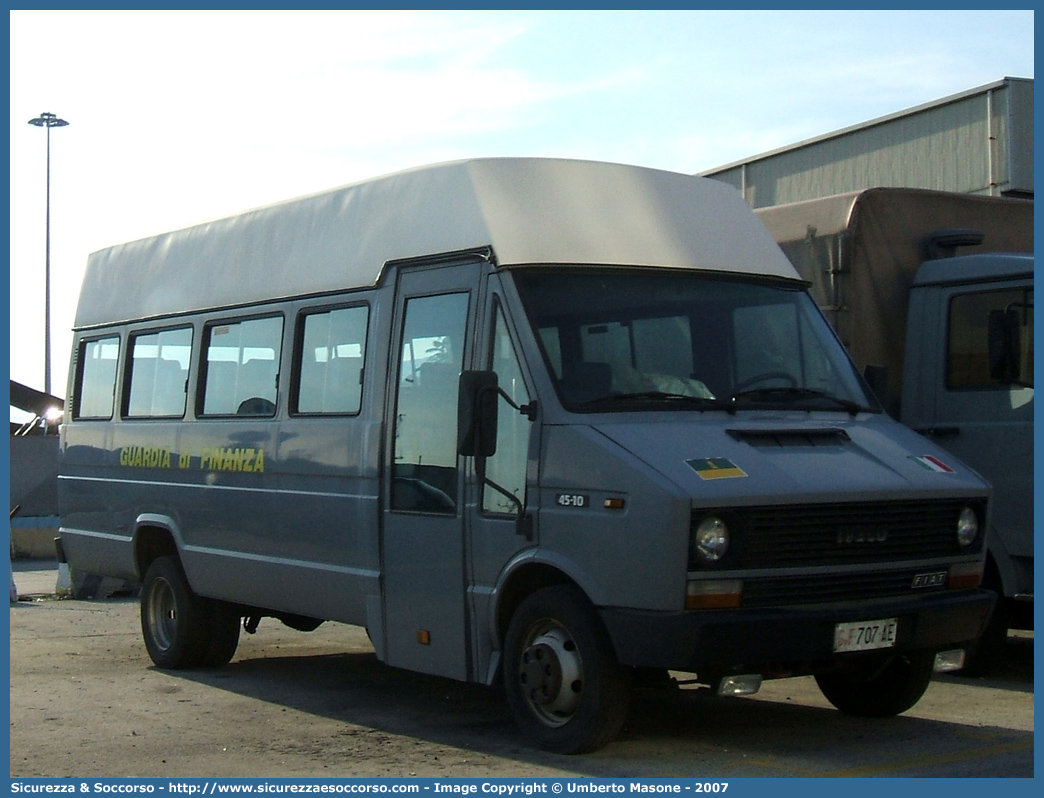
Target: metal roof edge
<point>952,98</point>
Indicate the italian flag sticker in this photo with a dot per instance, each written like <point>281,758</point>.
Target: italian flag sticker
<point>930,463</point>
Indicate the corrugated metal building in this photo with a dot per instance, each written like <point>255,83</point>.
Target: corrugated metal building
<point>977,142</point>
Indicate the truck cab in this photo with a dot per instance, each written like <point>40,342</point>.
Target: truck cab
<point>968,385</point>
<point>944,336</point>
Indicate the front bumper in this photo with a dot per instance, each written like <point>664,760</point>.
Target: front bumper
<point>798,637</point>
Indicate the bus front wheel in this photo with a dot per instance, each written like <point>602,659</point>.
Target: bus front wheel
<point>882,691</point>
<point>563,683</point>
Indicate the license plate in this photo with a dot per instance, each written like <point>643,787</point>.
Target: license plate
<point>865,635</point>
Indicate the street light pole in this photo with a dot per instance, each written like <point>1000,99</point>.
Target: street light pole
<point>48,120</point>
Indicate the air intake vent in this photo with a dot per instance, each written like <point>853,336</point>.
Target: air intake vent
<point>781,438</point>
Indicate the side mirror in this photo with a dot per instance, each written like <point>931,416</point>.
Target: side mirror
<point>478,400</point>
<point>1004,345</point>
<point>477,405</point>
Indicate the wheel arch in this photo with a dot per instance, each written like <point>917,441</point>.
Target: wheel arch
<point>528,573</point>
<point>154,536</point>
<point>521,582</point>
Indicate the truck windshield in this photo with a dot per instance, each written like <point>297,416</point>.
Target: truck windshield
<point>629,339</point>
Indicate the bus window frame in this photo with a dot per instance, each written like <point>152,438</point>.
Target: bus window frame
<point>127,373</point>
<point>297,356</point>
<point>77,392</point>
<point>202,367</point>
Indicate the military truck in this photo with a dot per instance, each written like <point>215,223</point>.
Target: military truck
<point>932,294</point>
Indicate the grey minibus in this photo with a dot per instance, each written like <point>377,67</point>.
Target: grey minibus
<point>556,423</point>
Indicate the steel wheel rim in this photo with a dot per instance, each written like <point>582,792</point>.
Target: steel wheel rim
<point>551,674</point>
<point>162,614</point>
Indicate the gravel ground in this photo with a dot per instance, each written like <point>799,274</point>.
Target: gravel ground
<point>87,702</point>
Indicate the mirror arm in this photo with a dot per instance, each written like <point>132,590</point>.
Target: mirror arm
<point>523,522</point>
<point>505,493</point>
<point>529,410</point>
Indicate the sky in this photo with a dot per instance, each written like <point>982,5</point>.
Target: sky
<point>183,116</point>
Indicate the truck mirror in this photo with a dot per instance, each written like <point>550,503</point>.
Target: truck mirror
<point>1004,345</point>
<point>477,404</point>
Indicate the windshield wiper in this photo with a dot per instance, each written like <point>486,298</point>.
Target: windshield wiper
<point>792,394</point>
<point>663,397</point>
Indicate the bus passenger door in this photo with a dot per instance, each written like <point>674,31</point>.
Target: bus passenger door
<point>423,555</point>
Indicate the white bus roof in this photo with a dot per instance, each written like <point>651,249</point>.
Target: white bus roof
<point>530,211</point>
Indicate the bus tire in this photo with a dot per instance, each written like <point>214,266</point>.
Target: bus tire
<point>223,621</point>
<point>883,692</point>
<point>173,618</point>
<point>983,654</point>
<point>564,686</point>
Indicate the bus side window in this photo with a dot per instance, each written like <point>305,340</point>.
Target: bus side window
<point>330,362</point>
<point>242,367</point>
<point>158,374</point>
<point>424,471</point>
<point>96,378</point>
<point>508,466</point>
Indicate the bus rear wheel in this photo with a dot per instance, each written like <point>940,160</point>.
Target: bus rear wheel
<point>564,686</point>
<point>183,630</point>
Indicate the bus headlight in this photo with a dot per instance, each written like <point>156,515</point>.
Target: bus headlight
<point>967,527</point>
<point>710,539</point>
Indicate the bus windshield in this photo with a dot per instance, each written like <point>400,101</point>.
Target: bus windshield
<point>629,339</point>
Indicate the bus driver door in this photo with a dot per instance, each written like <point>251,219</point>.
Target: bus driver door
<point>423,558</point>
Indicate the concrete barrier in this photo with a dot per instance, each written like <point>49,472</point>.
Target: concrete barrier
<point>92,586</point>
<point>32,537</point>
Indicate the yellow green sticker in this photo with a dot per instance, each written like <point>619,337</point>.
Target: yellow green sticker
<point>716,468</point>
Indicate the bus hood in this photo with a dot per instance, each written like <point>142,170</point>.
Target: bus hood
<point>792,459</point>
